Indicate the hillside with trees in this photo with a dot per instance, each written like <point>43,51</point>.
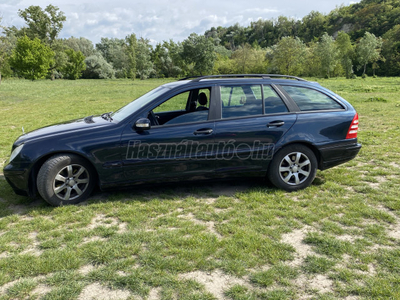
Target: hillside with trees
<point>356,40</point>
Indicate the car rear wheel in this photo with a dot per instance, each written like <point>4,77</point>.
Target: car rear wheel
<point>293,168</point>
<point>65,179</point>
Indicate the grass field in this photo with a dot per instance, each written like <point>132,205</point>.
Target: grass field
<point>340,238</point>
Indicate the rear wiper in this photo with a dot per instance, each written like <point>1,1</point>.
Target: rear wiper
<point>107,116</point>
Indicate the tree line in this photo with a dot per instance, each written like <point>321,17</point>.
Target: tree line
<point>359,39</point>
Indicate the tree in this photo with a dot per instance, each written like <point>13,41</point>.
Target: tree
<point>249,60</point>
<point>328,53</point>
<point>224,65</point>
<point>31,58</point>
<point>98,68</point>
<point>391,51</point>
<point>346,52</point>
<point>167,60</point>
<point>175,51</point>
<point>285,26</point>
<point>5,52</point>
<point>198,53</point>
<point>156,57</point>
<point>80,44</point>
<point>131,45</point>
<point>43,24</point>
<point>60,59</point>
<point>144,65</point>
<point>163,63</point>
<point>75,65</point>
<point>288,56</point>
<point>313,25</point>
<point>312,60</point>
<point>369,50</point>
<point>3,55</point>
<point>262,32</point>
<point>114,52</point>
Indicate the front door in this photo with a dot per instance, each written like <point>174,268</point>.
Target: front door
<point>178,145</point>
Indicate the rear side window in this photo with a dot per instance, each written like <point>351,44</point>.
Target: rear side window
<point>309,99</point>
<point>273,103</point>
<point>241,100</point>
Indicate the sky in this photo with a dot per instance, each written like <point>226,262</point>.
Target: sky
<point>159,20</point>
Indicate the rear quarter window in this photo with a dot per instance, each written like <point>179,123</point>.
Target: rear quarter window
<point>308,99</point>
<point>273,103</point>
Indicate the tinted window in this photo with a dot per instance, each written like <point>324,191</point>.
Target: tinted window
<point>186,107</point>
<point>241,100</point>
<point>177,102</point>
<point>273,103</point>
<point>309,99</point>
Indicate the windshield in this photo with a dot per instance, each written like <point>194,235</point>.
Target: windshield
<point>133,106</point>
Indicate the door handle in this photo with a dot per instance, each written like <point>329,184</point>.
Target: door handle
<point>203,131</point>
<point>275,124</point>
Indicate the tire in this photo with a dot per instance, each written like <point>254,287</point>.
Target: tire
<point>293,168</point>
<point>65,179</point>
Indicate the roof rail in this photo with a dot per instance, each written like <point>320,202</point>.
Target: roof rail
<point>263,76</point>
<point>189,77</point>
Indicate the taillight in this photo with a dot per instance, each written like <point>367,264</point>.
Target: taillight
<point>352,132</point>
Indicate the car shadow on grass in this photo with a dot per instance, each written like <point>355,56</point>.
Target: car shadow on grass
<point>11,204</point>
<point>168,191</point>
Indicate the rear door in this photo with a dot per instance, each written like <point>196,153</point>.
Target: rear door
<point>253,119</point>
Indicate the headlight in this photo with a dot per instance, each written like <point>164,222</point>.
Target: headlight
<point>16,152</point>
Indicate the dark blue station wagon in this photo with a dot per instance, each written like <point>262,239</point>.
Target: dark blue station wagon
<point>282,127</point>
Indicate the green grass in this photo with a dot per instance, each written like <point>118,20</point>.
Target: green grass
<point>151,241</point>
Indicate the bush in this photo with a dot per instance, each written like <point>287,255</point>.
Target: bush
<point>75,65</point>
<point>98,68</point>
<point>31,59</point>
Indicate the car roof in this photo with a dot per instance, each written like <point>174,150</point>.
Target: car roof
<point>245,78</point>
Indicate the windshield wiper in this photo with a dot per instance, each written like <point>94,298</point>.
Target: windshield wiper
<point>89,119</point>
<point>107,116</point>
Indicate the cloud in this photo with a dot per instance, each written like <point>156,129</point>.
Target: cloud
<point>10,2</point>
<point>261,10</point>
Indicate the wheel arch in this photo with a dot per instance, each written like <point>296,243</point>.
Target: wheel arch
<point>312,147</point>
<point>39,163</point>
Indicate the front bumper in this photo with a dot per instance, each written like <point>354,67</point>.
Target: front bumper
<point>18,179</point>
<point>337,154</point>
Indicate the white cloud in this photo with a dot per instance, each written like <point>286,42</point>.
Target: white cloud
<point>261,10</point>
<point>91,22</point>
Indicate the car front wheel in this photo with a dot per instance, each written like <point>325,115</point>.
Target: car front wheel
<point>65,179</point>
<point>293,168</point>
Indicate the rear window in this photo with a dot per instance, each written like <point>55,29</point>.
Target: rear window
<point>309,99</point>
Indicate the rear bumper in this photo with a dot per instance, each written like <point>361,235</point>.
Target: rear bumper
<point>338,153</point>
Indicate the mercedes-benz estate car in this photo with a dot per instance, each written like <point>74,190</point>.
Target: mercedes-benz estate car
<point>209,127</point>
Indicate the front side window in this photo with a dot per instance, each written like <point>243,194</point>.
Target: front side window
<point>309,99</point>
<point>241,100</point>
<point>175,103</point>
<point>186,107</point>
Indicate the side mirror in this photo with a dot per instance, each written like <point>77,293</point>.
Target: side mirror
<point>143,124</point>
